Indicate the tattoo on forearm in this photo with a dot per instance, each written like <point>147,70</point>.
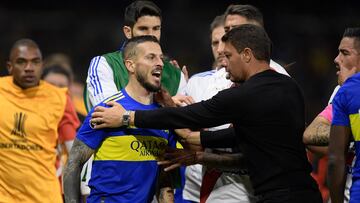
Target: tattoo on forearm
<point>79,154</point>
<point>321,135</point>
<point>224,161</point>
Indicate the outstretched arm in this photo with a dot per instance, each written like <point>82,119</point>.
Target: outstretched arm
<point>209,113</point>
<point>225,138</point>
<point>79,154</point>
<point>175,158</point>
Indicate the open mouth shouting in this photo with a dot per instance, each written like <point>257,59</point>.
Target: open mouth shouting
<point>157,73</point>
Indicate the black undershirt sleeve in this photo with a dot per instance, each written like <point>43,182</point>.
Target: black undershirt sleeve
<point>225,138</point>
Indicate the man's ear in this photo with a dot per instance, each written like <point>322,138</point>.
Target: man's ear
<point>130,66</point>
<point>9,67</point>
<point>127,32</point>
<point>247,55</point>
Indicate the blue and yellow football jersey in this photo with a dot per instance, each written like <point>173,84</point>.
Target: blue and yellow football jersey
<point>346,110</point>
<point>124,167</point>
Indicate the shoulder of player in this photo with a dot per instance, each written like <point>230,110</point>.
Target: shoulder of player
<point>4,80</point>
<point>98,61</point>
<point>352,81</point>
<point>115,97</point>
<point>203,74</point>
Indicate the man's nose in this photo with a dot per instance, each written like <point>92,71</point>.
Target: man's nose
<point>29,66</point>
<point>159,62</point>
<point>337,60</point>
<point>220,48</point>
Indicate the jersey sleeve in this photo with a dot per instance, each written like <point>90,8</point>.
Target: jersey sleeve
<point>182,84</point>
<point>219,139</point>
<point>69,122</point>
<point>340,110</point>
<point>189,88</point>
<point>100,80</point>
<point>327,113</point>
<point>90,136</point>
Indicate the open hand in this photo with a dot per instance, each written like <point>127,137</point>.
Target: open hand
<point>111,117</point>
<point>174,158</point>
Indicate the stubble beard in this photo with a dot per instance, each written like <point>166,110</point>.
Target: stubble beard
<point>148,86</point>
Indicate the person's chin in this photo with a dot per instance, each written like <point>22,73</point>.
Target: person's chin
<point>154,87</point>
<point>29,85</point>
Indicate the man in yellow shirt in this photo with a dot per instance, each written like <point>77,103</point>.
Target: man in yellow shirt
<point>33,112</point>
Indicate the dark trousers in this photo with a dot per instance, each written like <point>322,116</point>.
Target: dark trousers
<point>291,196</point>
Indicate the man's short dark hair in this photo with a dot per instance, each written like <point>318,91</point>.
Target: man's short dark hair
<point>250,36</point>
<point>138,9</point>
<point>23,42</point>
<point>353,32</point>
<point>251,13</point>
<point>129,47</point>
<point>56,69</point>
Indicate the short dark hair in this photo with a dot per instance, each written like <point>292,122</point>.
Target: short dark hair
<point>251,13</point>
<point>129,50</point>
<point>56,69</point>
<point>353,32</point>
<point>250,36</point>
<point>23,42</point>
<point>138,9</point>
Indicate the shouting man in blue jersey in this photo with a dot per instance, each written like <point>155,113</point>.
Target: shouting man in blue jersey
<point>124,167</point>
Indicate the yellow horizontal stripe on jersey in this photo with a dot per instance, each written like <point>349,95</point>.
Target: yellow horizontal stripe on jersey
<point>118,98</point>
<point>179,145</point>
<point>119,94</point>
<point>131,148</point>
<point>355,125</point>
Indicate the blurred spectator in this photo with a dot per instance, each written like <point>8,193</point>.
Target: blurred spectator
<point>76,87</point>
<point>36,115</point>
<point>57,75</point>
<point>60,77</point>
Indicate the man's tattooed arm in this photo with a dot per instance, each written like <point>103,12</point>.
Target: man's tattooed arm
<point>318,132</point>
<point>79,154</point>
<point>225,161</point>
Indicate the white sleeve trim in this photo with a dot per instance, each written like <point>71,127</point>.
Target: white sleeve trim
<point>333,94</point>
